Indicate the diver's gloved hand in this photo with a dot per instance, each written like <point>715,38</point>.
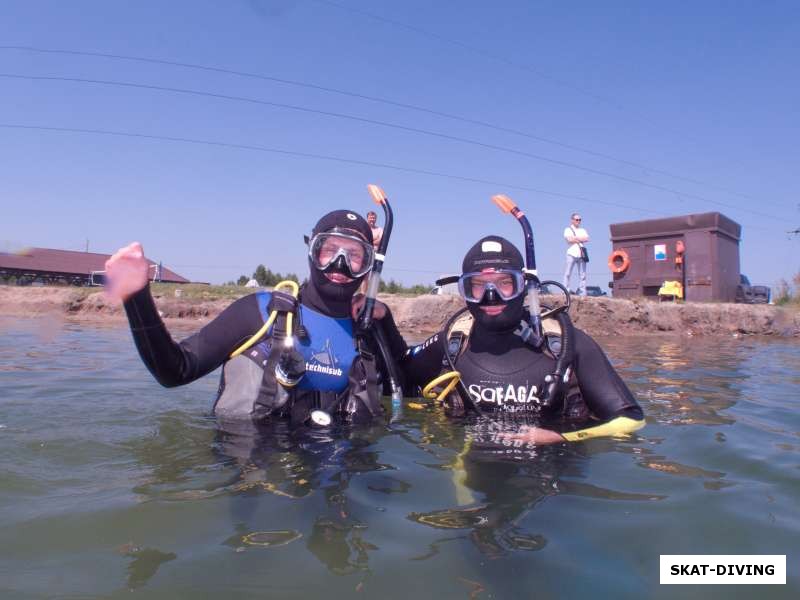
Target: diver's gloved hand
<point>283,302</point>
<point>290,368</point>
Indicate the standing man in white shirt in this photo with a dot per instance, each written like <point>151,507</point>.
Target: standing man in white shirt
<point>576,237</point>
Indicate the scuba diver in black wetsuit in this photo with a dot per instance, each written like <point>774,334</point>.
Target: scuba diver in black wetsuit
<point>507,370</point>
<point>300,356</point>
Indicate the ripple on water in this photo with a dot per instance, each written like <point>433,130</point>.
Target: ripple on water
<point>103,472</point>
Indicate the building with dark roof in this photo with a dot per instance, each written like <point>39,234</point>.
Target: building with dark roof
<point>67,266</point>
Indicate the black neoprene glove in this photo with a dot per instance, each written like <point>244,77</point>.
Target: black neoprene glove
<point>291,367</point>
<point>283,302</point>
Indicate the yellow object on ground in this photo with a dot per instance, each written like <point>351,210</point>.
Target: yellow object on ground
<point>672,288</point>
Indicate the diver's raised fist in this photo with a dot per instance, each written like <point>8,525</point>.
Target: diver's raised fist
<point>126,271</point>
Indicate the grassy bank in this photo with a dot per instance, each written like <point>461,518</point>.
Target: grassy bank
<point>194,291</point>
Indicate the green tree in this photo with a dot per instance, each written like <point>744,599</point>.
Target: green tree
<point>392,287</point>
<point>262,275</point>
<point>243,279</point>
<point>265,277</point>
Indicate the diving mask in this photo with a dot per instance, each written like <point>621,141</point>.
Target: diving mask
<point>341,252</point>
<point>491,286</point>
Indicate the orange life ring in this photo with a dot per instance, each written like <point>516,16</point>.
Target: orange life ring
<point>622,265</point>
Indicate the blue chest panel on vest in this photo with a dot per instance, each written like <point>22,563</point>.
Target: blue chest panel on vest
<point>328,352</point>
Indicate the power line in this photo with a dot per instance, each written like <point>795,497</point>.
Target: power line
<point>387,124</point>
<point>386,101</point>
<point>496,57</point>
<point>473,49</point>
<point>250,147</point>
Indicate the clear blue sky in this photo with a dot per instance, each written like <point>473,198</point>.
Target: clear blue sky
<point>706,91</point>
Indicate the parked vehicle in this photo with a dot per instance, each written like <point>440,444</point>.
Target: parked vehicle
<point>595,290</point>
<point>591,290</point>
<point>441,290</point>
<point>751,294</point>
<point>546,290</point>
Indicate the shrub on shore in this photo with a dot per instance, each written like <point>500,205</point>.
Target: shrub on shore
<point>786,294</point>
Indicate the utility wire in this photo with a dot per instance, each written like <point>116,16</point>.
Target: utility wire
<point>496,57</point>
<point>388,102</point>
<point>254,148</point>
<point>251,147</point>
<point>473,49</point>
<point>397,126</point>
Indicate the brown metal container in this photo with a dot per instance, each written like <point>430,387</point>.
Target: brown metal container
<point>708,267</point>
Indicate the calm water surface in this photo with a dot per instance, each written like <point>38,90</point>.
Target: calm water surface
<point>112,487</point>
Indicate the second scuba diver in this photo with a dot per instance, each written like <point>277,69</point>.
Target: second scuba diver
<point>503,373</point>
<point>297,356</point>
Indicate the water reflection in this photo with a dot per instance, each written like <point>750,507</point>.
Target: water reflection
<point>687,381</point>
<point>339,545</point>
<point>145,563</point>
<point>242,461</point>
<point>502,483</point>
<point>95,454</point>
<point>263,539</point>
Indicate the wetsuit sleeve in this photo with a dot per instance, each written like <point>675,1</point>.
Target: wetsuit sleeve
<point>176,363</point>
<point>603,390</point>
<point>397,345</point>
<point>421,363</point>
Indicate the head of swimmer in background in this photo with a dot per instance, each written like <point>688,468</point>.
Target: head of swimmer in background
<point>493,283</point>
<point>340,254</point>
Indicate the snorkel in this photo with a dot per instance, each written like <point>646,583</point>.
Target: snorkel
<point>365,321</point>
<point>374,279</point>
<point>556,381</point>
<point>507,205</point>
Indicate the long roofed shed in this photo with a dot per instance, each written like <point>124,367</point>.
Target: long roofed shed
<point>49,265</point>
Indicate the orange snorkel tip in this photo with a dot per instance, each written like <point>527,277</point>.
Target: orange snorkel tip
<point>378,195</point>
<point>504,203</point>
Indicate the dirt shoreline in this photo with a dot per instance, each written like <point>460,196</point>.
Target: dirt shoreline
<point>423,315</point>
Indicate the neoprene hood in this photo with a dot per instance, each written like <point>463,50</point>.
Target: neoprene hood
<point>336,296</point>
<point>495,252</point>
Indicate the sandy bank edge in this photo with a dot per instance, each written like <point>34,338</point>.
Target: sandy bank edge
<point>423,315</point>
